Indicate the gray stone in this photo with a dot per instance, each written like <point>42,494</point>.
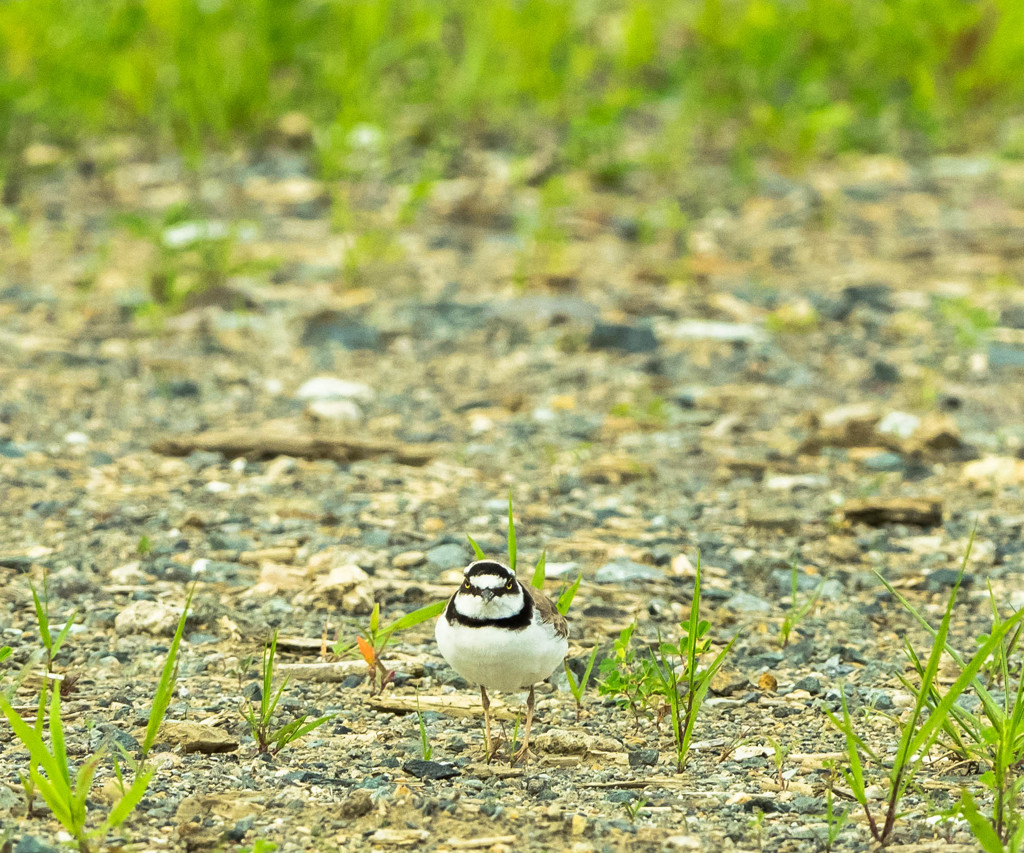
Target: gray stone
<point>884,462</point>
<point>1003,355</point>
<point>622,569</point>
<point>31,844</point>
<point>8,799</point>
<point>747,602</point>
<point>335,328</point>
<point>447,556</point>
<point>621,336</point>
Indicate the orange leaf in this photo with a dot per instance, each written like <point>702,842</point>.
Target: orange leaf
<point>369,655</point>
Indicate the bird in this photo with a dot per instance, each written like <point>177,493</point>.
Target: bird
<point>502,635</point>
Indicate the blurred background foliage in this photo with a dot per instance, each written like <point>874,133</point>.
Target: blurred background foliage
<point>614,85</point>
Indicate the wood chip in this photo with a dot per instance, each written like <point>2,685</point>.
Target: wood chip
<point>484,841</point>
<point>342,669</point>
<point>255,444</point>
<point>454,705</point>
<point>924,512</point>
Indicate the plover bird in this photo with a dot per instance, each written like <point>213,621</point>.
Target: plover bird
<point>502,635</point>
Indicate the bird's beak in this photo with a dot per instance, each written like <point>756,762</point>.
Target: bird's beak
<point>488,595</point>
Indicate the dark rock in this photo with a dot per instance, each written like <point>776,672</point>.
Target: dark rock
<point>309,777</point>
<point>328,328</point>
<point>764,804</point>
<point>809,683</point>
<point>491,809</point>
<point>882,371</point>
<point>356,804</point>
<point>643,758</point>
<point>808,805</point>
<point>880,699</point>
<point>621,336</point>
<point>105,733</point>
<point>238,831</point>
<point>182,388</point>
<point>422,769</point>
<point>944,579</point>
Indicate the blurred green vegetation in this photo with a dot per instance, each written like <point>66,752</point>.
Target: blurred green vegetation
<point>614,84</point>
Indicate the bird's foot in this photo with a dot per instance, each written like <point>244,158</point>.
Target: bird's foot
<point>522,754</point>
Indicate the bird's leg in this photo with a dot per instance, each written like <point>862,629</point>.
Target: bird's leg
<point>524,751</point>
<point>487,721</point>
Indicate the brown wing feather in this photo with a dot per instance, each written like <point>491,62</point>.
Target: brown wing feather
<point>547,610</point>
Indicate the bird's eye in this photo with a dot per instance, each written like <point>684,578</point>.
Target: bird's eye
<point>466,585</point>
<point>508,585</point>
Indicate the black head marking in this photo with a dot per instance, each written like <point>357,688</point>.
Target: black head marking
<point>488,567</point>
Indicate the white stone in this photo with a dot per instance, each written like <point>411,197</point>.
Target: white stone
<point>332,388</point>
<point>335,411</point>
<point>148,617</point>
<point>129,574</point>
<point>899,424</point>
<point>716,330</point>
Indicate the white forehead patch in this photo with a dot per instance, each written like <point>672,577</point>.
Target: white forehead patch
<point>488,581</point>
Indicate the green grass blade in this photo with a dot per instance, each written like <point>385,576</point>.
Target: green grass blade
<point>267,705</point>
<point>929,728</point>
<point>126,805</point>
<point>539,573</point>
<point>42,619</point>
<point>168,678</point>
<point>590,667</point>
<point>32,740</point>
<point>511,535</point>
<point>701,691</point>
<point>63,635</point>
<point>296,729</point>
<point>693,633</point>
<point>60,755</point>
<point>56,797</point>
<point>83,785</point>
<point>273,704</point>
<point>980,825</point>
<point>566,598</point>
<point>477,550</point>
<point>410,620</point>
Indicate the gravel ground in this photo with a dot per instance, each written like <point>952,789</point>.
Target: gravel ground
<point>826,374</point>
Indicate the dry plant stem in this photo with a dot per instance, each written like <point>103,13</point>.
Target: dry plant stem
<point>524,751</point>
<point>487,722</point>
